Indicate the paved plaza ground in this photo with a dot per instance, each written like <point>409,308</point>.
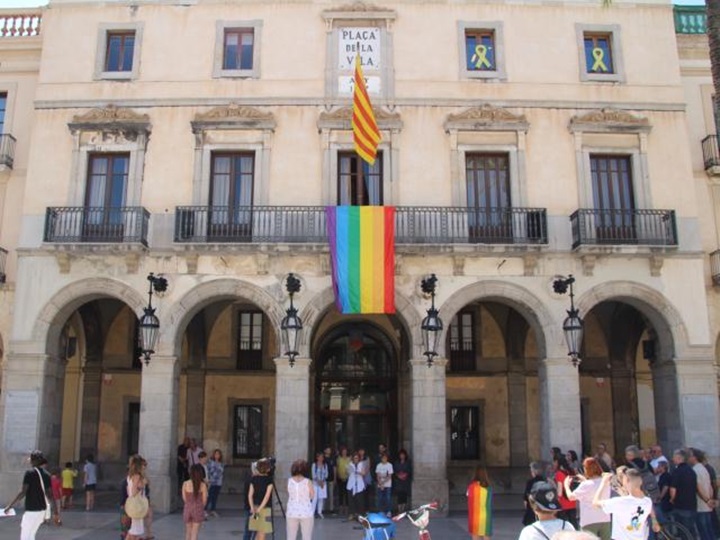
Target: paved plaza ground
<point>102,524</point>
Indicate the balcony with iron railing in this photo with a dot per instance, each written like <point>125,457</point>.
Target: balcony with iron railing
<point>413,225</point>
<point>711,155</point>
<point>97,225</point>
<point>7,151</point>
<point>595,227</point>
<point>715,266</point>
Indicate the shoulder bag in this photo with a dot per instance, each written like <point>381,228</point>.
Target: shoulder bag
<point>48,508</point>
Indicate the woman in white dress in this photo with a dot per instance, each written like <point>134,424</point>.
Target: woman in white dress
<point>301,493</point>
<point>319,476</point>
<point>356,487</point>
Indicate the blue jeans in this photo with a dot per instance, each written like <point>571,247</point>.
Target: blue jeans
<point>704,525</point>
<point>213,493</point>
<point>249,535</point>
<point>685,518</point>
<point>384,500</point>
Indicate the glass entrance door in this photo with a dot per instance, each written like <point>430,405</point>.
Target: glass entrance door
<point>356,389</point>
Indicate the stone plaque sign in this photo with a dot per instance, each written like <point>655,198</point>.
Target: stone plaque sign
<point>366,40</point>
<point>347,83</point>
<point>21,420</point>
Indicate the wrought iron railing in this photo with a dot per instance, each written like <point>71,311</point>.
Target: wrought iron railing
<point>20,24</point>
<point>3,262</point>
<point>7,150</point>
<point>715,266</point>
<point>690,19</point>
<point>711,155</point>
<point>78,224</point>
<point>413,225</point>
<point>618,227</point>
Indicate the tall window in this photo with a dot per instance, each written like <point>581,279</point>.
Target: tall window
<point>3,107</point>
<point>480,50</point>
<point>598,53</point>
<point>248,431</point>
<point>238,46</point>
<point>104,216</point>
<point>231,195</point>
<point>488,197</point>
<point>613,197</point>
<point>120,50</point>
<point>462,342</point>
<point>359,184</point>
<point>464,433</point>
<point>250,340</point>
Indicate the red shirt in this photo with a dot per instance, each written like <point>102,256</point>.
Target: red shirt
<point>565,503</point>
<point>56,484</point>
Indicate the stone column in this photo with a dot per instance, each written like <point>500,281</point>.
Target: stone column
<point>32,394</point>
<point>292,417</point>
<point>158,427</point>
<point>559,406</point>
<point>668,418</point>
<point>428,419</point>
<point>625,428</point>
<point>517,404</point>
<point>698,404</point>
<point>91,396</point>
<point>195,382</point>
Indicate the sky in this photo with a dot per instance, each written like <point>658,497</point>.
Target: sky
<point>34,3</point>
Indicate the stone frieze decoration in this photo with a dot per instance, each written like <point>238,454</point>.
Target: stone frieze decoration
<point>233,116</point>
<point>487,117</point>
<point>609,120</point>
<point>111,119</point>
<point>341,118</point>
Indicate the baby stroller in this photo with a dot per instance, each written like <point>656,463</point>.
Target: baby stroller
<point>377,527</point>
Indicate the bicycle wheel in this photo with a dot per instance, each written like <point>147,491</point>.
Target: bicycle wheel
<point>674,531</point>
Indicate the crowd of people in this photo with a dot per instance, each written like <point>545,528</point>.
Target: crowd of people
<point>594,495</point>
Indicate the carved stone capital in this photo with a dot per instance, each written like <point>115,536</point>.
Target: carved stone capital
<point>588,264</point>
<point>233,116</point>
<point>458,265</point>
<point>609,120</point>
<point>191,262</point>
<point>132,262</point>
<point>656,264</point>
<point>63,261</point>
<point>341,118</point>
<point>530,264</point>
<point>486,118</point>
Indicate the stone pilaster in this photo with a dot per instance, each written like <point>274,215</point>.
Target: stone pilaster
<point>429,431</point>
<point>699,404</point>
<point>668,417</point>
<point>292,417</point>
<point>32,413</point>
<point>624,407</point>
<point>91,396</point>
<point>559,406</point>
<point>517,403</point>
<point>195,381</point>
<point>158,427</point>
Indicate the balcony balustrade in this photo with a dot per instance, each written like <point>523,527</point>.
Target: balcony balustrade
<point>413,225</point>
<point>7,151</point>
<point>690,19</point>
<point>711,155</point>
<point>715,266</point>
<point>623,227</point>
<point>97,225</point>
<point>20,25</point>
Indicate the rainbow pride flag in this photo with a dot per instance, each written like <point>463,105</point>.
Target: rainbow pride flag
<point>362,251</point>
<point>479,509</point>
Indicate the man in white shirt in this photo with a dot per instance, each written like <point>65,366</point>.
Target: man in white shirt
<point>383,474</point>
<point>630,513</point>
<point>657,456</point>
<point>705,503</point>
<point>543,500</point>
<point>193,454</point>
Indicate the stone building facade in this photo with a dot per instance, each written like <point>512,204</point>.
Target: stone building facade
<point>202,141</point>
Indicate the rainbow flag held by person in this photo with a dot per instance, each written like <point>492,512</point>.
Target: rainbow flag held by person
<point>479,510</point>
<point>366,134</point>
<point>362,253</point>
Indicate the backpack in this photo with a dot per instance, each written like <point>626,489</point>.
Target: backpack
<point>649,483</point>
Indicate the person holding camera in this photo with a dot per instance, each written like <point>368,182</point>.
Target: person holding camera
<point>592,519</point>
<point>562,471</point>
<point>630,513</point>
<point>260,499</point>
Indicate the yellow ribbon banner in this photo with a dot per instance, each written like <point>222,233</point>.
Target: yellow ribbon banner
<point>599,56</point>
<point>480,58</point>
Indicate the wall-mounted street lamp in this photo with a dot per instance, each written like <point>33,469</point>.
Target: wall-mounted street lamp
<point>149,323</point>
<point>291,325</point>
<point>432,324</point>
<point>573,324</point>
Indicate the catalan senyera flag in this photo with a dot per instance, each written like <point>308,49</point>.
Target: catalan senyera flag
<point>366,134</point>
<point>362,252</point>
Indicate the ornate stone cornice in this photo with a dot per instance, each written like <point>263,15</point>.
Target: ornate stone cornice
<point>486,118</point>
<point>110,118</point>
<point>359,10</point>
<point>233,116</point>
<point>609,120</point>
<point>342,119</point>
